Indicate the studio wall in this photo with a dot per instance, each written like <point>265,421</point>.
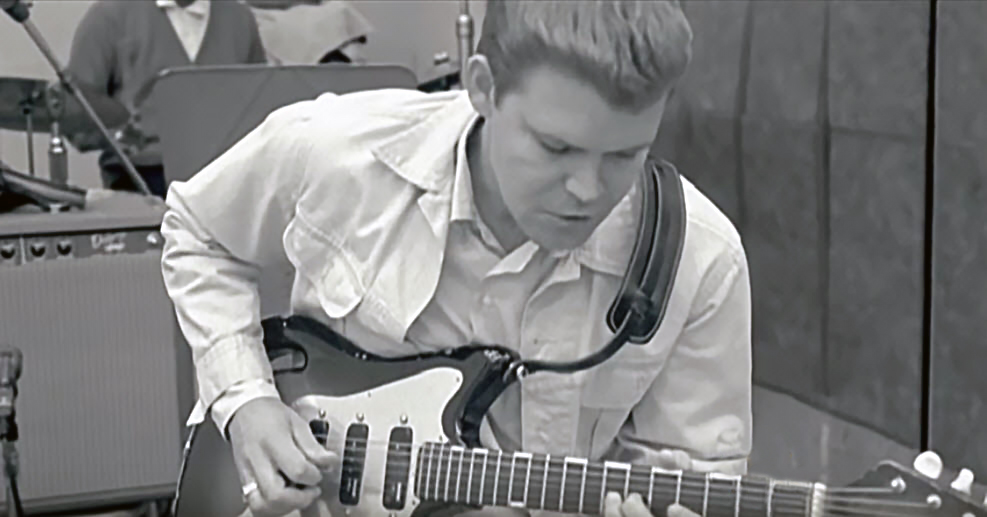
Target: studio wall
<point>807,123</point>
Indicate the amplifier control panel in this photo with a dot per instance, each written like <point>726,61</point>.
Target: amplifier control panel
<point>25,249</point>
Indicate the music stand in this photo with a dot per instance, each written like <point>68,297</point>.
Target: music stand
<point>199,112</point>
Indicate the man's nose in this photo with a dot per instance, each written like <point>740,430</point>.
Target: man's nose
<point>583,181</point>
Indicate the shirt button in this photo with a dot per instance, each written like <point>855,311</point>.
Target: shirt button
<point>487,299</point>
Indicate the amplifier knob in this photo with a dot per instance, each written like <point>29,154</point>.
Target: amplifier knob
<point>38,249</point>
<point>7,251</point>
<point>64,247</point>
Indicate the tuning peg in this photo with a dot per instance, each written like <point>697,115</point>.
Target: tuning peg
<point>929,464</point>
<point>963,481</point>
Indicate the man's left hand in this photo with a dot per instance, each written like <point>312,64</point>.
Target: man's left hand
<point>634,506</point>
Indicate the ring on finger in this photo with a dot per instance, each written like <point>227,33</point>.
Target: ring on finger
<point>249,488</point>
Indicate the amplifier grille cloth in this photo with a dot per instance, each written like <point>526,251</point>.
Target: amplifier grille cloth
<point>97,405</point>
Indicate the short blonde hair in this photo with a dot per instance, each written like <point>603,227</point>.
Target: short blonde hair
<point>632,51</point>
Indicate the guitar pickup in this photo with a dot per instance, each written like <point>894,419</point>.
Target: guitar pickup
<point>354,460</point>
<point>320,430</point>
<point>397,468</point>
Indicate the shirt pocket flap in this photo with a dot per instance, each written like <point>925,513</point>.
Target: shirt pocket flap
<point>326,266</point>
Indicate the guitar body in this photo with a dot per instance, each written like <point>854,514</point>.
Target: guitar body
<point>371,411</point>
<point>407,432</point>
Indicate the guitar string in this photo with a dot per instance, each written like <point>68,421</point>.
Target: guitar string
<point>594,467</point>
<point>689,487</point>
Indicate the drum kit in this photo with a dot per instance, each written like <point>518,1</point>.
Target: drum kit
<point>62,108</point>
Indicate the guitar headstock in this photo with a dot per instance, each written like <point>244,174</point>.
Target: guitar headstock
<point>923,489</point>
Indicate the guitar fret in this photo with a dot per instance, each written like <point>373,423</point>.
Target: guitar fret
<point>678,488</point>
<point>627,482</point>
<point>428,481</point>
<point>510,480</point>
<point>500,456</point>
<point>582,487</point>
<point>459,472</point>
<point>544,482</point>
<point>577,505</point>
<point>448,472</point>
<point>651,490</point>
<point>771,489</point>
<point>736,512</point>
<point>706,494</point>
<point>469,480</point>
<point>527,477</point>
<point>483,476</point>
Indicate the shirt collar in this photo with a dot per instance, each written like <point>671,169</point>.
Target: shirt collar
<point>425,153</point>
<point>198,8</point>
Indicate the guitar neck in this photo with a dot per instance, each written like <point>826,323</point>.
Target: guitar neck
<point>574,485</point>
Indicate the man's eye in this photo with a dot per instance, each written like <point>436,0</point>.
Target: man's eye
<point>554,149</point>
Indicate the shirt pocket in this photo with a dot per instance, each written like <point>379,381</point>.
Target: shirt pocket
<point>607,397</point>
<point>618,385</point>
<point>333,275</point>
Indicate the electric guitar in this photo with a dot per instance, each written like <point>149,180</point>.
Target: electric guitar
<point>407,432</point>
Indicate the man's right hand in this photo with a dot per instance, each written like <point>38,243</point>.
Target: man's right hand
<point>274,448</point>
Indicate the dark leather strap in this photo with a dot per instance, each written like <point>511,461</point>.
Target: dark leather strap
<point>655,259</point>
<point>640,305</point>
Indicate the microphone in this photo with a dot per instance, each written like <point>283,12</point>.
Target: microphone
<point>16,9</point>
<point>10,372</point>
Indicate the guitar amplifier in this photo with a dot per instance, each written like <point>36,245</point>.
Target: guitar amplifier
<point>81,295</point>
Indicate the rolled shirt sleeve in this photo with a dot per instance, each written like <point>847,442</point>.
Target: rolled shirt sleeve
<point>221,227</point>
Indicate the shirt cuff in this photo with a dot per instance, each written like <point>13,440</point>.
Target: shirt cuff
<point>228,362</point>
<point>226,405</point>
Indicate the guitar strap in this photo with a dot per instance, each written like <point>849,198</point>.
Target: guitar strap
<point>640,305</point>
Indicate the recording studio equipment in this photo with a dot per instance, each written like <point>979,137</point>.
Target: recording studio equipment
<point>21,14</point>
<point>10,372</point>
<point>464,35</point>
<point>45,194</point>
<point>81,295</point>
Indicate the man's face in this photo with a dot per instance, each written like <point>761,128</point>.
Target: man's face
<point>563,157</point>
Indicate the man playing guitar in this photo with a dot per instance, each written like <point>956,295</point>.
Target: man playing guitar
<point>505,213</point>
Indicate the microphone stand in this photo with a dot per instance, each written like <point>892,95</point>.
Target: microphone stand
<point>464,33</point>
<point>8,437</point>
<point>19,13</point>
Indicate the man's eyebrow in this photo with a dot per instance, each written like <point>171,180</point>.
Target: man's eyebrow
<point>559,142</point>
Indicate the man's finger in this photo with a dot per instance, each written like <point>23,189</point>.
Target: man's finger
<point>634,506</point>
<point>289,460</point>
<point>276,495</point>
<point>611,505</point>
<point>314,452</point>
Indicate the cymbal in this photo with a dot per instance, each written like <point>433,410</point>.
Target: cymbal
<point>18,94</point>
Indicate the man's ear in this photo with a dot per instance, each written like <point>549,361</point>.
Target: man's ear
<point>478,81</point>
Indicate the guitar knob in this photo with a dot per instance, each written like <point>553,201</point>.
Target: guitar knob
<point>929,464</point>
<point>963,481</point>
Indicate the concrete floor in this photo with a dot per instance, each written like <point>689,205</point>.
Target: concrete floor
<point>798,442</point>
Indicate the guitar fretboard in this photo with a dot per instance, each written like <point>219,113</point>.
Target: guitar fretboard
<point>574,485</point>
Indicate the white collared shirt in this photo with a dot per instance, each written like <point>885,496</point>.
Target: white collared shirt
<point>362,194</point>
<point>190,23</point>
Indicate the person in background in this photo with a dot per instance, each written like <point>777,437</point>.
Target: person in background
<point>119,47</point>
<point>306,32</point>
